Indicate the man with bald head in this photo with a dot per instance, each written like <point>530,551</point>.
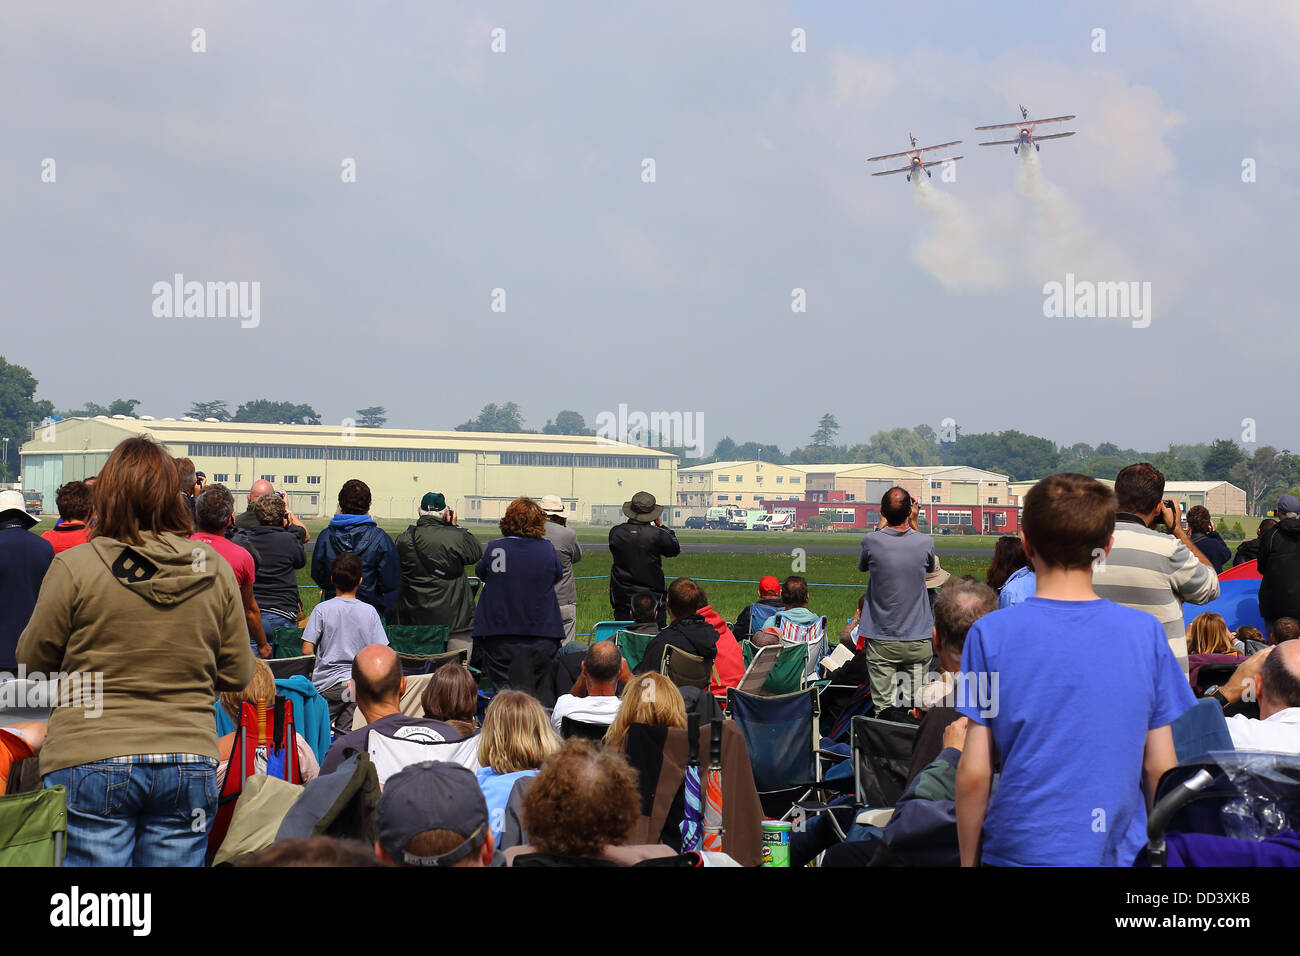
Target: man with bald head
<point>248,520</point>
<point>377,685</point>
<point>1271,677</point>
<point>594,699</point>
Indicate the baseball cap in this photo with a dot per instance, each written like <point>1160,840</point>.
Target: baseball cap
<point>768,585</point>
<point>433,501</point>
<point>15,502</point>
<point>552,505</point>
<point>1288,504</point>
<point>431,795</point>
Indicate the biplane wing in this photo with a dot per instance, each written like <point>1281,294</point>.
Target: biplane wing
<point>913,152</point>
<point>1027,122</point>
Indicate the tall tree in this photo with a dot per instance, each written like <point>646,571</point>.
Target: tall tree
<point>1223,456</point>
<point>119,406</point>
<point>1258,475</point>
<point>567,422</point>
<point>214,409</point>
<point>496,418</point>
<point>266,412</point>
<point>18,409</point>
<point>1012,453</point>
<point>827,429</point>
<point>373,417</point>
<point>725,449</point>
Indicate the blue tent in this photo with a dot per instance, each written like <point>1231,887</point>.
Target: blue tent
<point>1238,603</point>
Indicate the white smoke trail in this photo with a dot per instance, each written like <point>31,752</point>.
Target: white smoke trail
<point>961,252</point>
<point>1061,240</point>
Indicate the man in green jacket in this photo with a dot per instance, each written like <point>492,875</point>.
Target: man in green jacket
<point>435,590</point>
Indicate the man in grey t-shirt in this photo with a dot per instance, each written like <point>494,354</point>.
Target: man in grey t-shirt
<point>896,621</point>
<point>565,542</point>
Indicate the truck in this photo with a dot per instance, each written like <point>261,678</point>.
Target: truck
<point>33,500</point>
<point>732,519</point>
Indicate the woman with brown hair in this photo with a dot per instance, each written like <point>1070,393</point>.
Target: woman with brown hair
<point>1208,634</point>
<point>517,610</point>
<point>157,619</point>
<point>452,697</point>
<point>1200,528</point>
<point>1008,558</point>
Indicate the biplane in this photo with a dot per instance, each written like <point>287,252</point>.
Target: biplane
<point>915,162</point>
<point>1026,134</point>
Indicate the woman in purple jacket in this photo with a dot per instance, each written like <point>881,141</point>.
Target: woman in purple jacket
<point>517,609</point>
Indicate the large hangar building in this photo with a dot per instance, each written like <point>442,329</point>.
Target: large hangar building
<point>479,472</point>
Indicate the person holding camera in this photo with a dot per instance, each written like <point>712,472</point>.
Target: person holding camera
<point>280,554</point>
<point>435,590</point>
<point>1153,570</point>
<point>897,622</point>
<point>249,520</point>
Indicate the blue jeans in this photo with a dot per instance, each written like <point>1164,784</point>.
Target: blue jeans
<point>138,814</point>
<point>270,621</point>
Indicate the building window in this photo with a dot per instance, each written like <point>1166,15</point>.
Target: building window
<point>724,477</point>
<point>992,501</point>
<point>795,481</point>
<point>221,479</point>
<point>851,497</point>
<point>270,478</point>
<point>935,499</point>
<point>238,478</point>
<point>313,479</point>
<point>780,478</point>
<point>936,484</point>
<point>289,480</point>
<point>722,497</point>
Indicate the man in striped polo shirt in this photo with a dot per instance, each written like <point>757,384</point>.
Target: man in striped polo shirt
<point>1151,570</point>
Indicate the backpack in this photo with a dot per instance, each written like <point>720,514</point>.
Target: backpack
<point>759,615</point>
<point>265,743</point>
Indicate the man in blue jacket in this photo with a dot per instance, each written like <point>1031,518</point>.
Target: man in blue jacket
<point>353,531</point>
<point>24,559</point>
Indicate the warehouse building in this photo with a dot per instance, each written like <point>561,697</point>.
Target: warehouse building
<point>1217,497</point>
<point>477,471</point>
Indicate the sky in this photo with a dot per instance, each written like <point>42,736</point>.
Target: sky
<point>517,177</point>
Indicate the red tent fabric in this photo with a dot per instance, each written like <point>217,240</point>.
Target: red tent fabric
<point>1246,571</point>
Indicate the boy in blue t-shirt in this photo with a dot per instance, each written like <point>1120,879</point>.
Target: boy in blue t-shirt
<point>1075,693</point>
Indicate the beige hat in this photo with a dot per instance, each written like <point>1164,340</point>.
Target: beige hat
<point>936,578</point>
<point>552,505</point>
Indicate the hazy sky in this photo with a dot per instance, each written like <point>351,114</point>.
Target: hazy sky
<point>522,171</point>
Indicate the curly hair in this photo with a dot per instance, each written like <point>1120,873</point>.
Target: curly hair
<point>647,699</point>
<point>354,497</point>
<point>269,509</point>
<point>525,519</point>
<point>1198,519</point>
<point>584,800</point>
<point>73,501</point>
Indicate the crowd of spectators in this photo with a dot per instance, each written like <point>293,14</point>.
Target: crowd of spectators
<point>152,582</point>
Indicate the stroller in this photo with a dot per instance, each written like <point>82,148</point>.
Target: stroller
<point>1229,808</point>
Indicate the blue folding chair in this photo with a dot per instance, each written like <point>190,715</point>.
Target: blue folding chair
<point>605,630</point>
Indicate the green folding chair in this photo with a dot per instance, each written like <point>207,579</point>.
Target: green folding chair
<point>418,640</point>
<point>34,828</point>
<point>287,642</point>
<point>787,673</point>
<point>632,646</point>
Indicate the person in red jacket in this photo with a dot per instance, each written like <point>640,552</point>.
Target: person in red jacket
<point>729,666</point>
<point>73,502</point>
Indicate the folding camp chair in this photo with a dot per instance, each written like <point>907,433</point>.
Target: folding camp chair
<point>756,673</point>
<point>428,663</point>
<point>287,642</point>
<point>584,729</point>
<point>34,828</point>
<point>685,669</point>
<point>283,667</point>
<point>410,703</point>
<point>881,755</point>
<point>391,754</point>
<point>787,674</point>
<point>605,630</point>
<point>781,736</point>
<point>812,635</point>
<point>632,646</point>
<point>422,640</point>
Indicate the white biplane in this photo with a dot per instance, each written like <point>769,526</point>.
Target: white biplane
<point>915,163</point>
<point>1026,134</point>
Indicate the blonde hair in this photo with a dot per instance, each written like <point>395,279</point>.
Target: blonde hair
<point>648,699</point>
<point>261,686</point>
<point>517,734</point>
<point>1208,634</point>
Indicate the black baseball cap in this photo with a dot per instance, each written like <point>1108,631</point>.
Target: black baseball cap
<point>432,795</point>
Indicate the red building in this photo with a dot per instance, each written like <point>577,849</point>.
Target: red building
<point>848,515</point>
